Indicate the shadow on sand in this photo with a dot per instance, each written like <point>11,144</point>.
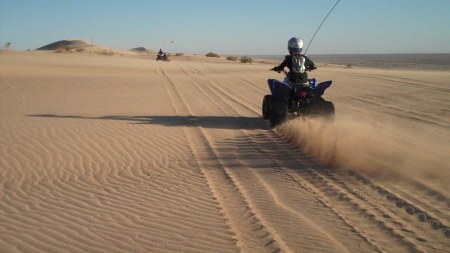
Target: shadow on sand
<point>219,122</point>
<point>260,149</point>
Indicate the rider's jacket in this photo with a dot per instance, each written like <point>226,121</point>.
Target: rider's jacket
<point>297,64</point>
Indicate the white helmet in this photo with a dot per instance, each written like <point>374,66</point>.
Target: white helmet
<point>295,45</point>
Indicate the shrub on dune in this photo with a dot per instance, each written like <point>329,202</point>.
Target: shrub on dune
<point>63,49</point>
<point>211,54</point>
<point>105,52</point>
<point>232,58</point>
<point>246,59</point>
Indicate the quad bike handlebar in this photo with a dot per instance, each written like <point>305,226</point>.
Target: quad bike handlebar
<point>286,73</point>
<point>279,71</point>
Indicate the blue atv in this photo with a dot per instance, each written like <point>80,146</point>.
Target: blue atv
<point>289,101</point>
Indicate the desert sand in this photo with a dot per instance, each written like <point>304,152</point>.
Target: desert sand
<point>126,154</point>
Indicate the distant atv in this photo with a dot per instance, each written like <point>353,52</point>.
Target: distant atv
<point>289,101</point>
<point>162,57</point>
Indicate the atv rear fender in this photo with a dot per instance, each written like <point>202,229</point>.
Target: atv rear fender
<point>279,90</point>
<point>321,87</point>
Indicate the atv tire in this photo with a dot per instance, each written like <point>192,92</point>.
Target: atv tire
<point>278,112</point>
<point>328,110</point>
<point>266,106</point>
<point>322,108</point>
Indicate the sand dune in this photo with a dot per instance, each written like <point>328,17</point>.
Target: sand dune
<point>72,44</point>
<point>80,46</point>
<point>126,154</point>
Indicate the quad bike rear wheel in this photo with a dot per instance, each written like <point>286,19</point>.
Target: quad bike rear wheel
<point>328,110</point>
<point>278,112</point>
<point>266,106</point>
<point>322,108</point>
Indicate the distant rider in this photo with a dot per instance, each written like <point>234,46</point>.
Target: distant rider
<point>297,63</point>
<point>162,55</point>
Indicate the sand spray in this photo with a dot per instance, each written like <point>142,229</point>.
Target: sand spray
<point>378,149</point>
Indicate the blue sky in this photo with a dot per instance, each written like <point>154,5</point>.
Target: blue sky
<point>231,26</point>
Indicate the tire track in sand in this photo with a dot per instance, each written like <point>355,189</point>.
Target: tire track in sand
<point>426,216</point>
<point>363,218</point>
<point>382,218</point>
<point>250,233</point>
<point>323,239</point>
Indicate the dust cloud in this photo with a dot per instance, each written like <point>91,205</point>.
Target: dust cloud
<point>376,149</point>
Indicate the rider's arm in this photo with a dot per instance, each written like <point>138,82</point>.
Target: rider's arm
<point>282,65</point>
<point>309,64</point>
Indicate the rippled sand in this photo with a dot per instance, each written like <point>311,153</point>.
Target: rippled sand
<point>126,154</point>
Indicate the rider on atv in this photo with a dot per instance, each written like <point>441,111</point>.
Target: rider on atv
<point>297,63</point>
<point>162,56</point>
<point>296,96</point>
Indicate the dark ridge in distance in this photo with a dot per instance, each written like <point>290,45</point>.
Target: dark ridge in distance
<point>439,62</point>
<point>64,43</point>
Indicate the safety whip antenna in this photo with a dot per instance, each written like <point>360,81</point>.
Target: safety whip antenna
<point>321,25</point>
